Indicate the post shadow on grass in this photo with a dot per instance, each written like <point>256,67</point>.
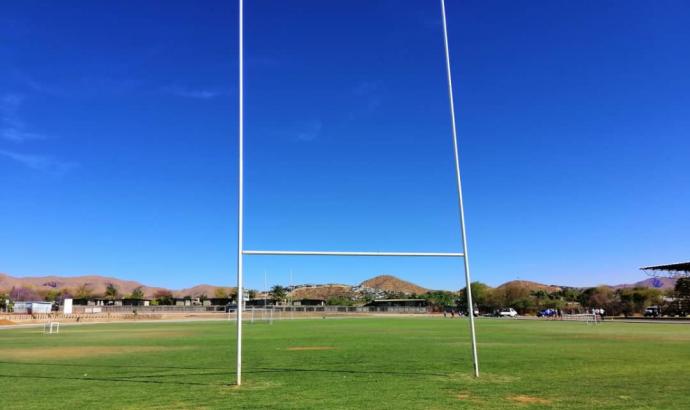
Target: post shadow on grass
<point>113,379</point>
<point>343,371</point>
<point>179,377</point>
<point>114,366</point>
<point>227,370</point>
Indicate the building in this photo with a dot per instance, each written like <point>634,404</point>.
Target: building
<point>397,303</point>
<point>33,307</point>
<point>309,302</point>
<point>673,269</point>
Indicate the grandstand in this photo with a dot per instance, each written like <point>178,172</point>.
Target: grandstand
<point>673,269</point>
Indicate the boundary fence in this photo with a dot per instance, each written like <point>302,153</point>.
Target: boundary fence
<point>158,312</point>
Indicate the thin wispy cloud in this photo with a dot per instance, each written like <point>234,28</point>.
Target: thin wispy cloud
<point>39,162</point>
<point>201,94</point>
<point>368,96</point>
<point>12,128</point>
<point>309,130</point>
<point>364,88</point>
<point>28,81</point>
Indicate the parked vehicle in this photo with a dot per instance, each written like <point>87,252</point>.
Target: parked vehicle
<point>547,313</point>
<point>230,307</point>
<point>506,312</point>
<point>652,311</point>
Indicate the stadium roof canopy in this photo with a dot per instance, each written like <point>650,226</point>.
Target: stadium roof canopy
<point>674,267</point>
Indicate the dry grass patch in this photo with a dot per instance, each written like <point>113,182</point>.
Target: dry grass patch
<point>463,396</point>
<point>154,334</point>
<point>524,399</point>
<point>76,352</point>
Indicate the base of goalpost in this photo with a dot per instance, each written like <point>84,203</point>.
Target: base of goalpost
<point>50,328</point>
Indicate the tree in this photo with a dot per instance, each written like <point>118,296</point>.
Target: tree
<point>137,293</point>
<point>278,293</point>
<point>251,293</point>
<point>163,297</point>
<point>52,295</point>
<point>83,291</point>
<point>540,297</point>
<point>634,300</point>
<point>220,293</point>
<point>439,299</point>
<point>65,293</point>
<point>4,298</point>
<point>682,291</point>
<point>24,294</point>
<point>203,298</point>
<point>339,301</point>
<point>111,291</point>
<point>480,296</point>
<point>570,294</point>
<point>602,297</point>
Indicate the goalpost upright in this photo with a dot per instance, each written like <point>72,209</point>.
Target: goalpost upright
<point>240,209</point>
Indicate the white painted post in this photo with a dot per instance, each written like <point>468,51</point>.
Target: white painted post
<point>240,202</point>
<point>461,208</point>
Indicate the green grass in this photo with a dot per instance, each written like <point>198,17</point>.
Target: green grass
<point>418,363</point>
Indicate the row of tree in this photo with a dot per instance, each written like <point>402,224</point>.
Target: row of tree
<point>84,291</point>
<point>622,301</point>
<point>112,292</point>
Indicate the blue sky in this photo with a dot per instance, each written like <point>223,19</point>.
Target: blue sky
<point>118,135</point>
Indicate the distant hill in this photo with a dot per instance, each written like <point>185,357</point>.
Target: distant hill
<point>392,284</point>
<point>322,292</point>
<point>204,289</point>
<point>97,284</point>
<point>531,286</point>
<point>657,283</point>
<point>386,283</point>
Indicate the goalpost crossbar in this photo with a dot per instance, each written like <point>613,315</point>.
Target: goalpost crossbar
<point>354,253</point>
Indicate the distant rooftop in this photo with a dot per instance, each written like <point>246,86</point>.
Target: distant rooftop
<point>673,267</point>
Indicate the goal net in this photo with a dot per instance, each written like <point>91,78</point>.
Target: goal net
<point>589,318</point>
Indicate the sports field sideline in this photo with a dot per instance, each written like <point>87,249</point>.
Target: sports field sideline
<point>403,363</point>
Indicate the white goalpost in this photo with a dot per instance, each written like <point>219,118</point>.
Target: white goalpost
<point>241,251</point>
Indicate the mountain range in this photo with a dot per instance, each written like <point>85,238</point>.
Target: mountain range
<point>386,283</point>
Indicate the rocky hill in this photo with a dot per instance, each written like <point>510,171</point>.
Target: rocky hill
<point>529,285</point>
<point>392,284</point>
<point>322,292</point>
<point>204,289</point>
<point>657,283</point>
<point>383,284</point>
<point>96,285</point>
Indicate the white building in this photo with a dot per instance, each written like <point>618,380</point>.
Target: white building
<point>33,307</point>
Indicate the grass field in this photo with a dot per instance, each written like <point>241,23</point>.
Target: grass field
<point>418,363</point>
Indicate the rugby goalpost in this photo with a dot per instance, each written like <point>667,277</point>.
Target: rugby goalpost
<point>241,252</point>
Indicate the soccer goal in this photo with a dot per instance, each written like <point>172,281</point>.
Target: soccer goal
<point>50,328</point>
<point>260,315</point>
<point>588,318</point>
<point>256,315</point>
